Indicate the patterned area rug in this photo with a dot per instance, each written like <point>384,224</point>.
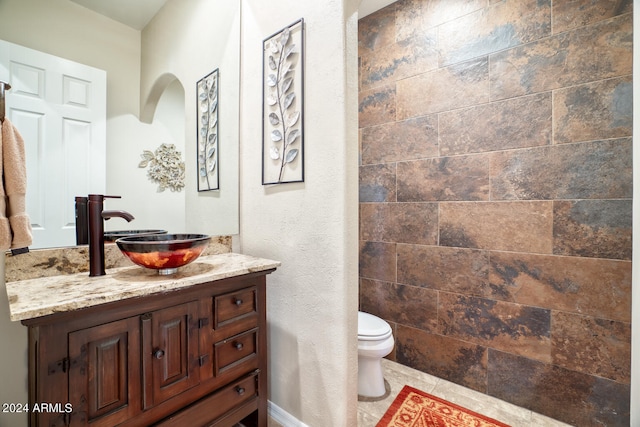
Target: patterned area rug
<point>415,408</point>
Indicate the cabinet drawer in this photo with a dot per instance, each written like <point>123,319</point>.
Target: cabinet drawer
<point>207,409</point>
<point>235,350</point>
<point>234,306</point>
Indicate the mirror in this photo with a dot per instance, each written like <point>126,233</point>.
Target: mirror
<point>151,99</point>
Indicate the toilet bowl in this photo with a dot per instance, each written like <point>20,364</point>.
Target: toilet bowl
<point>375,341</point>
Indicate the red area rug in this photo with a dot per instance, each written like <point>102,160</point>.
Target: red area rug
<point>415,408</point>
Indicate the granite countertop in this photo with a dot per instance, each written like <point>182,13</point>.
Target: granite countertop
<point>43,296</point>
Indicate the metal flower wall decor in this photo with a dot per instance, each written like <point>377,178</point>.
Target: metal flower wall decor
<point>208,177</point>
<point>282,121</point>
<point>166,167</point>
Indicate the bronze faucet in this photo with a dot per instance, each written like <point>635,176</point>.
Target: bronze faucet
<point>97,216</point>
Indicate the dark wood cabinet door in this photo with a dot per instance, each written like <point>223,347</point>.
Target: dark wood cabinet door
<point>104,373</point>
<point>170,352</point>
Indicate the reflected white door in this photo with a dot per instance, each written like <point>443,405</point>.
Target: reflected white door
<point>59,108</point>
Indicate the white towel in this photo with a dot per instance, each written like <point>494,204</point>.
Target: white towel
<point>15,226</point>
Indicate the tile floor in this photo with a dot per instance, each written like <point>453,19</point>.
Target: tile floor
<point>369,413</point>
<point>398,375</point>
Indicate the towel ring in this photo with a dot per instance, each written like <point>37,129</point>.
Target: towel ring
<point>3,86</point>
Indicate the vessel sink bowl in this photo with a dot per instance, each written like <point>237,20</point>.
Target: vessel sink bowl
<point>112,236</point>
<point>163,252</point>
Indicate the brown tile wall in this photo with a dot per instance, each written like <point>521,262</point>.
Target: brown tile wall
<point>495,196</point>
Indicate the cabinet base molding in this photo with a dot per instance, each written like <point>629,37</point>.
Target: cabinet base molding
<point>283,417</point>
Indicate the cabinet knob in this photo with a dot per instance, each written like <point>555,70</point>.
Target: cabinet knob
<point>238,301</point>
<point>158,354</point>
<point>238,345</point>
<point>239,390</point>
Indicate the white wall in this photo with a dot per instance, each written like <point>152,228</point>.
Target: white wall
<point>187,40</point>
<point>152,209</point>
<point>310,227</point>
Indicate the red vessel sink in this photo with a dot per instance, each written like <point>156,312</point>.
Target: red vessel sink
<point>163,252</point>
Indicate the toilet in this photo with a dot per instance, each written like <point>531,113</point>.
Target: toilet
<point>375,341</point>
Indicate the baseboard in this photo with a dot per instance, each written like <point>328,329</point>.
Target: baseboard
<point>283,417</point>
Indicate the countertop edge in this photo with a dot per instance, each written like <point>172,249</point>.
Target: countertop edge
<point>32,298</point>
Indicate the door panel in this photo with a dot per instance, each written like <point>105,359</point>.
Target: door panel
<point>59,108</point>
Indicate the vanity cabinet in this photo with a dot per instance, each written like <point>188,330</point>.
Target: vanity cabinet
<point>190,357</point>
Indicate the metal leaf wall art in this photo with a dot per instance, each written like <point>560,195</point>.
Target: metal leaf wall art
<point>282,122</point>
<point>207,88</point>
